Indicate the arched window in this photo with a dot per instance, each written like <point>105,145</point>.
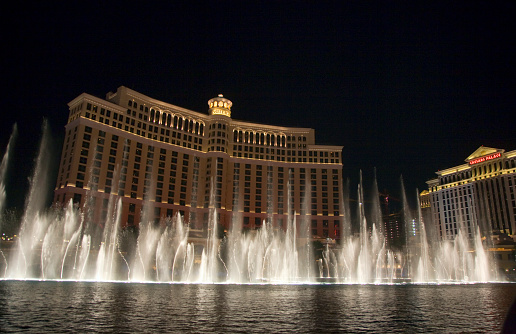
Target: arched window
<point>175,121</point>
<point>251,137</point>
<point>187,124</point>
<point>164,118</point>
<point>235,136</point>
<point>180,123</point>
<point>152,115</point>
<point>240,136</point>
<point>268,139</point>
<point>247,137</point>
<point>262,138</point>
<point>169,119</point>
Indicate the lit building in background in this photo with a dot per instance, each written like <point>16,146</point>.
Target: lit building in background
<point>481,191</point>
<point>393,226</point>
<point>394,230</point>
<point>177,160</point>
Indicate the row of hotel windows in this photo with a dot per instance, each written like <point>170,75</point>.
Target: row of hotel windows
<point>187,137</point>
<point>263,138</point>
<point>277,187</point>
<point>257,149</point>
<point>169,120</point>
<point>328,229</point>
<point>284,155</point>
<point>498,202</point>
<point>97,162</point>
<point>458,205</point>
<point>263,202</point>
<point>493,167</point>
<point>272,154</point>
<point>248,137</point>
<point>178,122</point>
<point>455,205</point>
<point>195,142</point>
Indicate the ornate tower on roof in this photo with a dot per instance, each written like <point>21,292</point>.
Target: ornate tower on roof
<point>220,106</point>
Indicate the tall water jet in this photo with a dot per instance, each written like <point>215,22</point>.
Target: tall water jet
<point>106,266</point>
<point>288,254</point>
<point>486,270</point>
<point>364,257</point>
<point>343,259</point>
<point>464,258</point>
<point>62,255</point>
<point>148,237</point>
<point>183,252</point>
<point>376,211</point>
<point>345,229</point>
<point>461,259</point>
<point>209,269</point>
<point>164,254</point>
<point>270,253</point>
<point>3,170</point>
<point>236,240</point>
<point>425,270</point>
<point>174,255</point>
<point>305,235</point>
<point>25,262</point>
<point>410,231</point>
<point>109,251</point>
<point>382,270</point>
<point>3,176</point>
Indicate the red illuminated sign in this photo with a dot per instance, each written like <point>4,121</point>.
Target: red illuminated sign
<point>486,158</point>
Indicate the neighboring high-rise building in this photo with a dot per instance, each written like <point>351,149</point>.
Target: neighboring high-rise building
<point>393,228</point>
<point>425,204</point>
<point>143,150</point>
<point>478,193</point>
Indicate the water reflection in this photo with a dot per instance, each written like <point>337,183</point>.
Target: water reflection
<point>215,308</point>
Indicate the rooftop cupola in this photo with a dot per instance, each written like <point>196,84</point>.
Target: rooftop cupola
<point>220,106</point>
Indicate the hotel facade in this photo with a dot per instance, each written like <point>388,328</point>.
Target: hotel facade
<point>152,154</point>
<point>480,192</point>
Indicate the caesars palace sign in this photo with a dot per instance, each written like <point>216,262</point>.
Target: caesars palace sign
<point>485,158</point>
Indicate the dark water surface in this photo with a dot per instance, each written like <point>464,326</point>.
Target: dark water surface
<point>43,307</point>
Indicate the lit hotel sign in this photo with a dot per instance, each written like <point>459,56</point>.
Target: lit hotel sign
<point>486,158</point>
<point>221,112</point>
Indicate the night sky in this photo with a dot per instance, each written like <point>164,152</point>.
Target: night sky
<point>406,88</point>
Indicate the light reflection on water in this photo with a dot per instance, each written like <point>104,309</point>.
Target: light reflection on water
<point>52,306</point>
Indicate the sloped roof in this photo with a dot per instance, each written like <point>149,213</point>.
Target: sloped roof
<point>482,151</point>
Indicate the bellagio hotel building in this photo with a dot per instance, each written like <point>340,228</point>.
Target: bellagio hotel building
<point>154,154</point>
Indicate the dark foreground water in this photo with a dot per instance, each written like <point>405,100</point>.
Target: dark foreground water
<point>44,307</point>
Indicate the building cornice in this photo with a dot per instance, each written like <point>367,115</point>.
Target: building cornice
<point>98,101</point>
<point>163,106</point>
